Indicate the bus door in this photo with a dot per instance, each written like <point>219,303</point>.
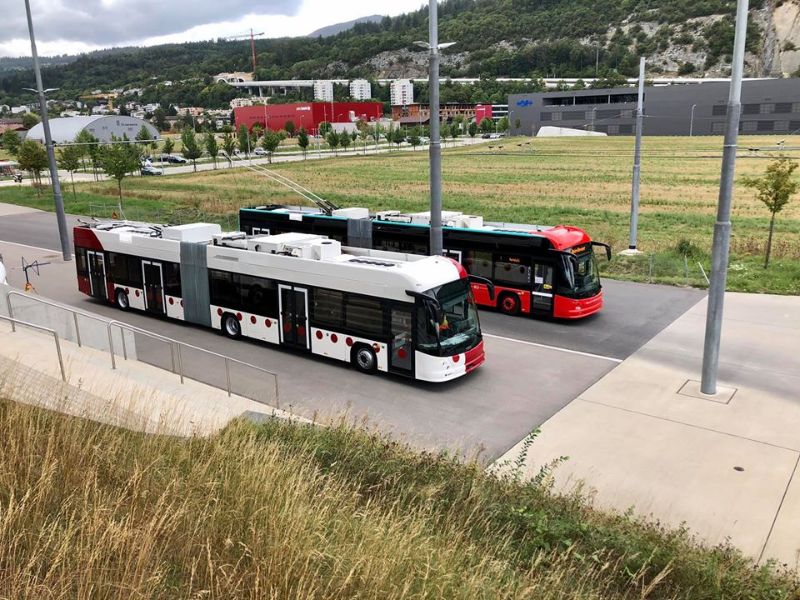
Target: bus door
<point>293,308</point>
<point>153,277</point>
<point>542,287</point>
<point>97,274</point>
<point>402,350</point>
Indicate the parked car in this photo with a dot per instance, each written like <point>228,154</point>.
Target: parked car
<point>172,158</point>
<point>486,136</point>
<point>150,170</point>
<point>260,152</point>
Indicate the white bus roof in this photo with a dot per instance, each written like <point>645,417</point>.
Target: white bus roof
<point>302,259</point>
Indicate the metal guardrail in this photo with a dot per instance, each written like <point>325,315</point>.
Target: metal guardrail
<point>14,322</point>
<point>175,346</point>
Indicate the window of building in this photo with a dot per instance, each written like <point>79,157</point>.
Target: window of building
<point>794,126</point>
<point>767,108</point>
<point>613,130</point>
<point>607,114</point>
<point>782,126</point>
<point>719,110</point>
<point>751,109</point>
<point>718,128</point>
<point>626,129</point>
<point>783,107</point>
<point>546,116</point>
<point>766,126</point>
<point>749,125</point>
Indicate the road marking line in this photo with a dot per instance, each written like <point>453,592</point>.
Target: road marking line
<point>29,246</point>
<point>545,346</point>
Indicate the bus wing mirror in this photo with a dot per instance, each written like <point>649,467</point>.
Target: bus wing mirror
<point>430,300</point>
<point>606,246</point>
<point>483,281</point>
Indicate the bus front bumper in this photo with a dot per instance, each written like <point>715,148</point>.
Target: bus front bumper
<point>569,308</point>
<point>437,369</point>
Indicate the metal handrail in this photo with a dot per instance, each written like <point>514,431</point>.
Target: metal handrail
<point>15,322</point>
<point>175,345</point>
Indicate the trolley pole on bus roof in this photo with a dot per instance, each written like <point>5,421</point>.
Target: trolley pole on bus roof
<point>637,165</point>
<point>722,227</point>
<point>48,142</point>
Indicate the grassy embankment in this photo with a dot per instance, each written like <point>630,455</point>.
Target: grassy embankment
<point>280,510</point>
<point>578,181</point>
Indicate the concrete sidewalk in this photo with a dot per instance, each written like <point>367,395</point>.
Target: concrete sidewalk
<point>725,466</point>
<point>134,395</point>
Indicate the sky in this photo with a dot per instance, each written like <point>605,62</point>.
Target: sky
<point>74,26</point>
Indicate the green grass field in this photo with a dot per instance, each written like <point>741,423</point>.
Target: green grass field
<point>282,510</point>
<point>578,181</point>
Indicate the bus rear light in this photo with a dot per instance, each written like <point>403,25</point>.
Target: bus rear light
<point>172,301</point>
<point>319,335</point>
<point>127,291</point>
<point>238,316</point>
<point>456,358</point>
<point>253,319</point>
<point>376,347</point>
<point>334,338</point>
<point>349,341</point>
<point>267,322</point>
<point>137,293</point>
<point>219,312</point>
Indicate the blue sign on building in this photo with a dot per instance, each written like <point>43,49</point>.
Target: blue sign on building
<point>524,102</point>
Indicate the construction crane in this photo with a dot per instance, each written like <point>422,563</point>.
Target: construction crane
<point>252,36</point>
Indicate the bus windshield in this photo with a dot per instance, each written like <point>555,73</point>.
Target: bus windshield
<point>457,329</point>
<point>585,274</point>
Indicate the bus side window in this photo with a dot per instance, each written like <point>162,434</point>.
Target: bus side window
<point>365,314</point>
<point>327,309</point>
<point>80,262</point>
<point>258,295</point>
<point>223,292</point>
<point>512,269</point>
<point>134,270</point>
<point>479,263</point>
<point>118,268</point>
<point>172,279</point>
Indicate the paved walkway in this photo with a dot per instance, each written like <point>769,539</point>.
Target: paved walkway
<point>726,466</point>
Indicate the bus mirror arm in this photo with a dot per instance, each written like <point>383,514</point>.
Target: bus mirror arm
<point>483,281</point>
<point>570,256</point>
<point>606,246</point>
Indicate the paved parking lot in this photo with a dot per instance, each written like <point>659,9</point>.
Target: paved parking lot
<point>533,368</point>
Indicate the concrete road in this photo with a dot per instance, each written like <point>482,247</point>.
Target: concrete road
<point>533,368</point>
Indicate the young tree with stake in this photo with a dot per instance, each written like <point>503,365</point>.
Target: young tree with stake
<point>69,159</point>
<point>775,188</point>
<point>212,147</point>
<point>118,159</point>
<point>191,149</point>
<point>302,141</point>
<point>169,146</point>
<point>32,157</point>
<point>333,140</point>
<point>229,146</point>
<point>270,143</point>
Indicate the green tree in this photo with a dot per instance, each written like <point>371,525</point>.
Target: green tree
<point>414,138</point>
<point>502,125</point>
<point>398,137</point>
<point>775,188</point>
<point>472,130</point>
<point>486,126</point>
<point>160,119</point>
<point>143,135</point>
<point>69,159</point>
<point>191,149</point>
<point>325,128</point>
<point>444,131</point>
<point>212,147</point>
<point>333,140</point>
<point>363,134</point>
<point>345,140</point>
<point>244,138</point>
<point>32,157</point>
<point>118,159</point>
<point>229,146</point>
<point>11,141</point>
<point>376,132</point>
<point>169,145</point>
<point>302,140</point>
<point>89,146</point>
<point>257,131</point>
<point>29,120</point>
<point>455,131</point>
<point>270,143</point>
<point>290,128</point>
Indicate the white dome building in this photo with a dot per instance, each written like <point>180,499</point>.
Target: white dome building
<point>103,127</point>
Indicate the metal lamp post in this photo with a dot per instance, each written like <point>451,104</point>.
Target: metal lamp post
<point>435,150</point>
<point>722,228</point>
<point>48,140</point>
<point>691,121</point>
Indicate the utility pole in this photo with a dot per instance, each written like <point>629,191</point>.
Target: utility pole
<point>722,228</point>
<point>691,121</point>
<point>435,150</point>
<point>48,140</point>
<point>637,164</point>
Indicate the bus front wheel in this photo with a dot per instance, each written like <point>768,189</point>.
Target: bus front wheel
<point>231,327</point>
<point>364,359</point>
<point>509,304</point>
<point>122,299</point>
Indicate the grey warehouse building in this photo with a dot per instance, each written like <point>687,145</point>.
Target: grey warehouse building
<point>768,106</point>
<point>103,127</point>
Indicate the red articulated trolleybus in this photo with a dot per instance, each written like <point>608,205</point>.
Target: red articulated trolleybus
<point>380,311</point>
<point>537,270</point>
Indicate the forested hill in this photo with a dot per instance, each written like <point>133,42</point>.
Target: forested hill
<point>494,38</point>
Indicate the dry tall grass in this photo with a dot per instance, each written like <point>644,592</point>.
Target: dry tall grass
<point>91,511</point>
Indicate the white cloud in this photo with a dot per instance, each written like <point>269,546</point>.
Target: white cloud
<point>63,29</point>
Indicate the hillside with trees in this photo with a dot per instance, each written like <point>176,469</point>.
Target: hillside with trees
<point>494,38</point>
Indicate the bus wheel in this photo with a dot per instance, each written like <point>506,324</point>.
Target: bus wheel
<point>364,359</point>
<point>231,327</point>
<point>122,299</point>
<point>509,304</point>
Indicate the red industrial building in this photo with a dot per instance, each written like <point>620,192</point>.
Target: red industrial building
<point>483,111</point>
<point>306,114</point>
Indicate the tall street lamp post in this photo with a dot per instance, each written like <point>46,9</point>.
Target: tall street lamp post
<point>48,142</point>
<point>691,121</point>
<point>435,149</point>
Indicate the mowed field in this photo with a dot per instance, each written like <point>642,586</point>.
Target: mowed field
<point>578,181</point>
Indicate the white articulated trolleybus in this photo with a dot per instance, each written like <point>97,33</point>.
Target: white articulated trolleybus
<point>380,311</point>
